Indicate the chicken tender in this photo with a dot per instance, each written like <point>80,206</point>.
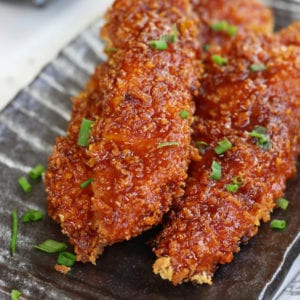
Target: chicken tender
<point>139,146</point>
<point>249,104</point>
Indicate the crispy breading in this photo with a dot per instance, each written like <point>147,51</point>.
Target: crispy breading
<point>135,99</point>
<point>206,228</point>
<point>247,16</point>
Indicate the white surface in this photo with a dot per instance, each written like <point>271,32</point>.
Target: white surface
<point>31,36</point>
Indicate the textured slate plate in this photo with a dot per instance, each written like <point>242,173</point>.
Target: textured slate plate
<point>28,127</point>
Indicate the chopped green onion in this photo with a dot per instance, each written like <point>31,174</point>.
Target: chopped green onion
<point>36,172</point>
<point>216,171</point>
<point>66,258</point>
<point>263,139</point>
<point>205,47</point>
<point>223,146</point>
<point>51,246</point>
<point>184,114</point>
<point>231,30</point>
<point>171,38</point>
<point>282,203</point>
<point>32,215</point>
<point>84,133</point>
<point>257,67</point>
<point>239,180</point>
<point>219,26</point>
<point>158,44</point>
<point>86,183</point>
<point>15,295</point>
<point>201,145</point>
<point>219,60</point>
<point>232,188</point>
<point>278,224</point>
<point>235,185</point>
<point>111,50</point>
<point>14,234</point>
<point>165,144</point>
<point>25,185</point>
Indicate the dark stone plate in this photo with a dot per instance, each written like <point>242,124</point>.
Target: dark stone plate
<point>28,127</point>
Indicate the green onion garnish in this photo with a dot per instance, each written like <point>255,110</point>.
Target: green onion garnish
<point>111,50</point>
<point>184,114</point>
<point>278,224</point>
<point>158,44</point>
<point>216,171</point>
<point>233,188</point>
<point>223,146</point>
<point>165,144</point>
<point>257,67</point>
<point>32,216</point>
<point>201,144</point>
<point>15,295</point>
<point>171,38</point>
<point>66,258</point>
<point>263,139</point>
<point>25,185</point>
<point>282,203</point>
<point>86,183</point>
<point>36,172</point>
<point>219,60</point>
<point>205,47</point>
<point>231,30</point>
<point>84,133</point>
<point>239,180</point>
<point>51,246</point>
<point>236,183</point>
<point>14,234</point>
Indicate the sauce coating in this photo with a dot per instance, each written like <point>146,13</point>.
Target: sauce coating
<point>207,226</point>
<point>135,99</point>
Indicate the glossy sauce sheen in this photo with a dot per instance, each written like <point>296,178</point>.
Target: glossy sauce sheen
<point>207,226</point>
<point>135,99</point>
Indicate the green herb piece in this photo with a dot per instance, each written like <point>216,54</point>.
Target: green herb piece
<point>184,114</point>
<point>223,146</point>
<point>84,133</point>
<point>257,67</point>
<point>32,216</point>
<point>86,183</point>
<point>36,172</point>
<point>165,144</point>
<point>239,180</point>
<point>51,246</point>
<point>171,38</point>
<point>231,30</point>
<point>216,171</point>
<point>13,242</point>
<point>25,185</point>
<point>235,185</point>
<point>219,60</point>
<point>278,224</point>
<point>15,295</point>
<point>233,188</point>
<point>158,44</point>
<point>66,258</point>
<point>205,47</point>
<point>219,26</point>
<point>263,139</point>
<point>201,145</point>
<point>282,203</point>
<point>111,50</point>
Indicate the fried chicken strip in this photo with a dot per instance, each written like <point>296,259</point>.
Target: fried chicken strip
<point>139,147</point>
<point>207,226</point>
<point>247,16</point>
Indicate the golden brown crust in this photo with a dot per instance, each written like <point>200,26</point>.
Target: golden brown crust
<point>205,229</point>
<point>135,99</point>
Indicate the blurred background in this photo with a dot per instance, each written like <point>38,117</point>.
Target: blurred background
<point>32,32</point>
